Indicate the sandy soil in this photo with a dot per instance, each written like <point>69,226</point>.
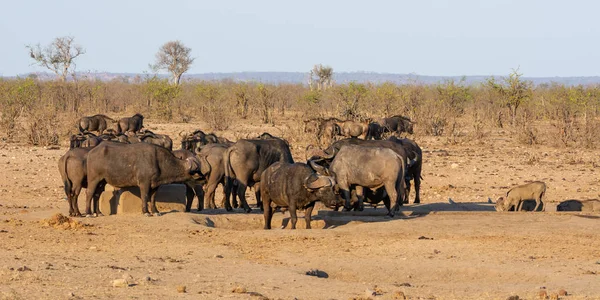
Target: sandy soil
<point>435,250</point>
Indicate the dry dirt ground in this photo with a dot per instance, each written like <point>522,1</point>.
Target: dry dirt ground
<point>435,250</point>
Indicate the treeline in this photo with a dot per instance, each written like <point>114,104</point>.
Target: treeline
<point>45,112</point>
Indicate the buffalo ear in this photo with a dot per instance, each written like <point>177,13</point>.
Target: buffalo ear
<point>192,164</point>
<point>321,181</point>
<point>318,168</point>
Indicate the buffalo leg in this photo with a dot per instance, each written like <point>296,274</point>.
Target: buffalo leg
<point>200,195</point>
<point>307,214</point>
<point>189,198</point>
<point>145,194</point>
<point>360,196</point>
<point>73,199</point>
<point>242,194</point>
<point>293,215</point>
<point>228,188</point>
<point>391,191</point>
<point>538,202</point>
<point>209,196</point>
<point>89,194</point>
<point>99,190</point>
<point>153,202</point>
<point>417,187</point>
<point>268,210</point>
<point>257,194</point>
<point>407,192</point>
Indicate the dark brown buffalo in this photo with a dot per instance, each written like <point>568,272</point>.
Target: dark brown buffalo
<point>143,165</point>
<point>397,124</point>
<point>134,123</point>
<point>294,186</point>
<point>374,131</point>
<point>330,153</point>
<point>414,166</point>
<point>87,139</point>
<point>162,140</point>
<point>328,130</point>
<point>367,167</point>
<point>192,190</point>
<point>72,169</point>
<point>93,123</point>
<point>245,161</point>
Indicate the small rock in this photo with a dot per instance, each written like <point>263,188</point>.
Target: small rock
<point>218,256</point>
<point>181,289</point>
<point>239,290</point>
<point>562,292</point>
<point>398,295</point>
<point>514,297</point>
<point>70,294</point>
<point>93,248</point>
<point>120,283</point>
<point>370,293</point>
<point>23,268</point>
<point>454,166</point>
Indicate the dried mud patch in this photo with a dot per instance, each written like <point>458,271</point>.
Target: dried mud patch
<point>60,221</point>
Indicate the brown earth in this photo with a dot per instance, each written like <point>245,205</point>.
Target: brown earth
<point>435,250</point>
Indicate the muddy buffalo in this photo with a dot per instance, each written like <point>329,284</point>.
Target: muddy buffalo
<point>294,186</point>
<point>140,165</point>
<point>397,124</point>
<point>372,168</point>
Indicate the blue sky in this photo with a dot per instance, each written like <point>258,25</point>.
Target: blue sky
<point>542,38</point>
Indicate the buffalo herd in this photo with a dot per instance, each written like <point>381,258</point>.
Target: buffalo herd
<point>350,172</point>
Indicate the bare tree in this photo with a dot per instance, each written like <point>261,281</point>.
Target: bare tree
<point>324,76</point>
<point>174,57</point>
<point>58,57</point>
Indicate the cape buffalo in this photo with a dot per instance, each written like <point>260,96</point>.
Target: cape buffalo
<point>369,167</point>
<point>354,129</point>
<point>294,186</point>
<point>143,165</point>
<point>162,140</point>
<point>245,161</point>
<point>93,123</point>
<point>374,131</point>
<point>192,189</point>
<point>134,123</point>
<point>212,168</point>
<point>397,124</point>
<point>414,167</point>
<point>72,169</point>
<point>87,139</point>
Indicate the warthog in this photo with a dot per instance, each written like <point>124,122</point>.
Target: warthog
<point>591,205</point>
<point>397,124</point>
<point>93,123</point>
<point>369,167</point>
<point>294,186</point>
<point>134,123</point>
<point>72,169</point>
<point>516,195</point>
<point>245,161</point>
<point>143,165</point>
